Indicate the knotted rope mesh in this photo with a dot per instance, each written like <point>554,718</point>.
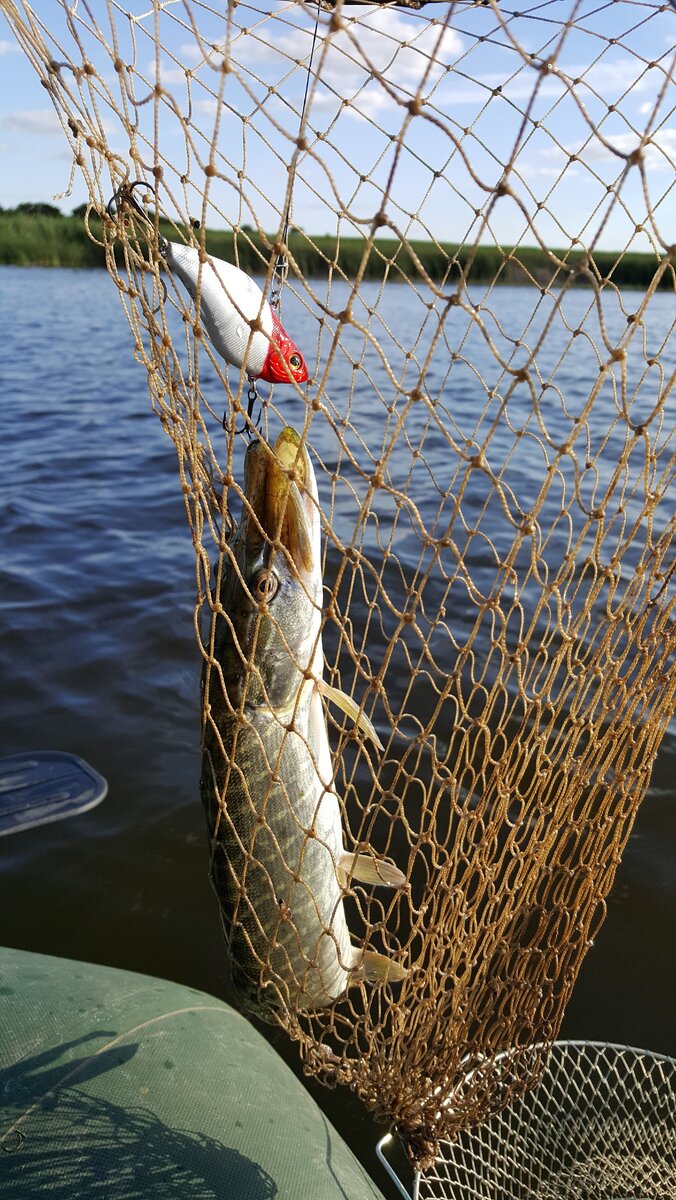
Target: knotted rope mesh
<point>492,473</point>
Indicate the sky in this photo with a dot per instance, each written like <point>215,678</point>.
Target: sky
<point>483,99</point>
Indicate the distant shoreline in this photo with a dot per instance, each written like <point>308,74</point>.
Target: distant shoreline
<point>43,239</point>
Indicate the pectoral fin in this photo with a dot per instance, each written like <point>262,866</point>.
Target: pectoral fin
<point>369,870</point>
<point>347,705</point>
<point>378,968</point>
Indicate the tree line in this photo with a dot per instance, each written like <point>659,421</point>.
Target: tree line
<point>39,234</point>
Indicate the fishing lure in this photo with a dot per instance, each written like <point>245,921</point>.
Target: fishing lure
<point>241,324</point>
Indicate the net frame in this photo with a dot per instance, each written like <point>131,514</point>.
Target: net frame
<point>513,799</point>
<point>598,1123</point>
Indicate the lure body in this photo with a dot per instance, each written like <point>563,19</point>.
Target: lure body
<point>239,321</point>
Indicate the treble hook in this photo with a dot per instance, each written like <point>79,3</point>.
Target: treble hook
<point>252,397</point>
<point>124,195</point>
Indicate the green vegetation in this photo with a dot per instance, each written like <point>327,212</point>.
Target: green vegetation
<point>39,235</point>
<point>29,236</point>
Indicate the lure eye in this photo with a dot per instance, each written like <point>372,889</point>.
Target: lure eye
<point>295,362</point>
<point>265,586</point>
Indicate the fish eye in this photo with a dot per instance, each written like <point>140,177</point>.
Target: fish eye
<point>295,361</point>
<point>265,585</point>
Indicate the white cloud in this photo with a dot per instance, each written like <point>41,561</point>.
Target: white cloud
<point>169,71</point>
<point>189,52</point>
<point>8,47</point>
<point>618,75</point>
<point>208,106</point>
<point>36,121</point>
<point>537,170</point>
<point>369,104</point>
<point>404,51</point>
<point>408,54</point>
<point>248,49</point>
<point>659,152</point>
<point>395,45</point>
<point>479,92</point>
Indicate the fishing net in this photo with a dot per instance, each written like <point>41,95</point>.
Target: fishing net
<point>599,1123</point>
<point>492,467</point>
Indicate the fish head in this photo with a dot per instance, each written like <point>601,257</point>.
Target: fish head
<point>271,595</point>
<point>284,359</point>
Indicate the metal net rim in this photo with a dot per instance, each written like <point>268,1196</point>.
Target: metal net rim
<point>500,1148</point>
<point>596,1044</point>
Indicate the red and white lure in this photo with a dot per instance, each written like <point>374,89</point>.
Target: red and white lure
<point>230,302</point>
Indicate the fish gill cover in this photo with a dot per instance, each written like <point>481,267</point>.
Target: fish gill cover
<point>435,603</point>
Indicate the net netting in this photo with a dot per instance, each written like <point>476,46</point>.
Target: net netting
<point>492,467</point>
<point>599,1124</point>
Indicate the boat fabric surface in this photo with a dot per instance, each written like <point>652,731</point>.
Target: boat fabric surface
<point>115,1084</point>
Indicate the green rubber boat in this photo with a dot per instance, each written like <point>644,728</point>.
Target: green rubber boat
<point>119,1086</point>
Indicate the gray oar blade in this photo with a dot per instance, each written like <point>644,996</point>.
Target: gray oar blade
<point>46,785</point>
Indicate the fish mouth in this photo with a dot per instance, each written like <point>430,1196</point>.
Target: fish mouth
<point>282,501</point>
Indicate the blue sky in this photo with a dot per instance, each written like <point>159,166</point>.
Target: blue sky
<point>475,89</point>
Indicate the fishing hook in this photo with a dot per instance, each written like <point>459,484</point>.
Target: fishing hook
<point>124,195</point>
<point>252,397</point>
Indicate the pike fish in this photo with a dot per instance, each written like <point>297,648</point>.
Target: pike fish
<point>279,866</point>
<point>231,304</point>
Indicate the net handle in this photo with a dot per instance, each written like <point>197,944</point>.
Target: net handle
<point>380,1152</point>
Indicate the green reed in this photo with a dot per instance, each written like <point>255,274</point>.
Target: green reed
<point>48,239</point>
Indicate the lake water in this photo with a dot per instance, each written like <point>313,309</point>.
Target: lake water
<point>98,657</point>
